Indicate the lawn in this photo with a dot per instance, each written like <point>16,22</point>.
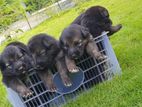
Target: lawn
<point>124,91</point>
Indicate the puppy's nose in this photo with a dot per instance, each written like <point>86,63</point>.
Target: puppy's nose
<point>38,66</point>
<point>74,56</point>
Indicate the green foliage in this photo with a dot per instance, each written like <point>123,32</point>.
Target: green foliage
<point>2,3</point>
<point>10,11</point>
<point>34,5</point>
<point>13,10</point>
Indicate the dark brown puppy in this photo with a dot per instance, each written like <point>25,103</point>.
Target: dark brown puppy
<point>97,20</point>
<point>47,53</point>
<point>76,39</point>
<point>15,62</point>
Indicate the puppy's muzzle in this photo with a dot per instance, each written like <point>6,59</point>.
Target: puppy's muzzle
<point>39,67</point>
<point>74,55</point>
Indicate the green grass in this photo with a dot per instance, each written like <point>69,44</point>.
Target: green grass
<point>124,91</point>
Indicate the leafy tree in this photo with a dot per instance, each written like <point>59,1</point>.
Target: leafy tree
<point>13,10</point>
<point>34,5</point>
<point>10,11</point>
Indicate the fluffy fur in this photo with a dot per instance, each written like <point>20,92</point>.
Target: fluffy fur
<point>15,62</point>
<point>46,52</point>
<point>97,20</point>
<point>76,39</point>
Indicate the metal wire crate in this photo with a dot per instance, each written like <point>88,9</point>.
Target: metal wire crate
<point>94,73</point>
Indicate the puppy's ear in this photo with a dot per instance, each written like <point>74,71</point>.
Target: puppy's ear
<point>24,50</point>
<point>61,43</point>
<point>105,13</point>
<point>85,33</point>
<point>1,63</point>
<point>46,42</point>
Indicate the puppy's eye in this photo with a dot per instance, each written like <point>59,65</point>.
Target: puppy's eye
<point>43,52</point>
<point>21,56</point>
<point>8,66</point>
<point>65,47</point>
<point>79,43</point>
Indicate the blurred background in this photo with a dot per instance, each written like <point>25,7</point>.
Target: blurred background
<point>18,16</point>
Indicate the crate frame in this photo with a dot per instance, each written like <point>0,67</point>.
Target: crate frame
<point>94,73</point>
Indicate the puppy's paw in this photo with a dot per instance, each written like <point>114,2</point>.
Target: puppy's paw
<point>119,26</point>
<point>52,87</point>
<point>67,82</point>
<point>107,65</point>
<point>25,92</point>
<point>114,29</point>
<point>73,69</point>
<point>102,57</point>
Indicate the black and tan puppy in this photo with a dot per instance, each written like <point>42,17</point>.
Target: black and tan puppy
<point>15,62</point>
<point>97,20</point>
<point>47,53</point>
<point>76,39</point>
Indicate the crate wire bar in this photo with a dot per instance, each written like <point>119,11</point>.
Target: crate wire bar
<point>94,73</point>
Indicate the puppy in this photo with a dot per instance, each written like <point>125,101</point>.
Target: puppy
<point>15,62</point>
<point>74,40</point>
<point>47,53</point>
<point>97,20</point>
